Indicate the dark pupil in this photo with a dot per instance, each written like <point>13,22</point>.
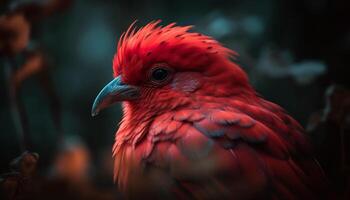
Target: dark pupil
<point>159,74</point>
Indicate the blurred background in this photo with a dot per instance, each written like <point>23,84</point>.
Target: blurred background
<point>56,55</point>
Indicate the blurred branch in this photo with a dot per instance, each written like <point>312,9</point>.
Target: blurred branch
<point>35,65</point>
<point>46,83</point>
<point>15,28</point>
<point>18,113</point>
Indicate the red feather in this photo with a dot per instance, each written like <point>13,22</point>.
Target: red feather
<point>206,134</point>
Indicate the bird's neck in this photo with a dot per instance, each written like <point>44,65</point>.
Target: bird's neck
<point>136,121</point>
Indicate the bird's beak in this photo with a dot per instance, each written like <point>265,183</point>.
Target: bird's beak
<point>115,91</point>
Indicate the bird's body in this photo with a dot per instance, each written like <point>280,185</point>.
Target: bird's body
<point>194,128</point>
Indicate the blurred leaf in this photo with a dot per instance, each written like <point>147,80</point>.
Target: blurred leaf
<point>72,161</point>
<point>25,164</point>
<point>14,33</point>
<point>17,183</point>
<point>280,64</point>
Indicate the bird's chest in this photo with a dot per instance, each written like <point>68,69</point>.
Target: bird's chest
<point>187,155</point>
<point>162,167</point>
<point>184,153</point>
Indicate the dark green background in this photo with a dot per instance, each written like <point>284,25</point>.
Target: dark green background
<point>81,42</point>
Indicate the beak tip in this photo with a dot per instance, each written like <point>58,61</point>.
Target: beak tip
<point>94,112</point>
<point>114,91</point>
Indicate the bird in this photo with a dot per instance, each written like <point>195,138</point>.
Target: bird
<point>193,127</point>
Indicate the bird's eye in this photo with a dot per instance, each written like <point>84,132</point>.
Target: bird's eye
<point>160,74</point>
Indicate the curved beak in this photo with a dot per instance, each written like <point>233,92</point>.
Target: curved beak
<point>115,91</point>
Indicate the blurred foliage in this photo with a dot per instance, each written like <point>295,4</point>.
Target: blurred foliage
<point>293,51</point>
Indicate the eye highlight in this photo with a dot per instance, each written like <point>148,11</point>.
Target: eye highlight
<point>160,74</point>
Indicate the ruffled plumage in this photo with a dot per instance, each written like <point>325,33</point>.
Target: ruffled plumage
<point>208,138</point>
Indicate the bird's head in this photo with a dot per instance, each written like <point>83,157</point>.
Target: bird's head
<point>157,67</point>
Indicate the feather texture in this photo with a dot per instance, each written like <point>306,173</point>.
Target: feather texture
<point>206,134</point>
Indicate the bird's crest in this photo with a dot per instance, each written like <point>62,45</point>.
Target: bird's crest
<point>172,44</point>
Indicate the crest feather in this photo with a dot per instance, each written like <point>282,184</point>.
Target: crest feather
<point>153,37</point>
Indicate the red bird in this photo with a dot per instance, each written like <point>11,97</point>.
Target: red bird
<point>194,128</point>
